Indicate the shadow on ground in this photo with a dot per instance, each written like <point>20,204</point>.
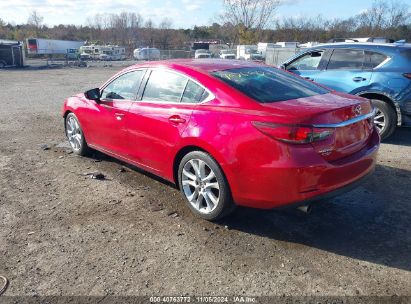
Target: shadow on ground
<point>371,223</point>
<point>401,136</point>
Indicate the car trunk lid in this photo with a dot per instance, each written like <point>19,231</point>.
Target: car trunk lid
<point>347,118</point>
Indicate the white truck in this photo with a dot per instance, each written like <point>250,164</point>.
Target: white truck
<point>227,54</point>
<point>37,46</point>
<point>248,52</point>
<point>202,53</point>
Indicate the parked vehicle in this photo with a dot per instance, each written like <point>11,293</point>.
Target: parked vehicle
<point>37,46</point>
<point>112,52</point>
<point>227,54</point>
<point>380,72</point>
<point>228,133</point>
<point>263,46</point>
<point>11,54</point>
<point>216,49</point>
<point>102,52</point>
<point>244,51</point>
<point>72,54</point>
<point>89,52</point>
<point>201,53</point>
<point>146,54</point>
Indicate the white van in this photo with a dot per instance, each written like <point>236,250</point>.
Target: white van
<point>146,54</point>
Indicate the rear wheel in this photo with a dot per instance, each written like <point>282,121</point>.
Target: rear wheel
<point>385,118</point>
<point>75,135</point>
<point>204,186</point>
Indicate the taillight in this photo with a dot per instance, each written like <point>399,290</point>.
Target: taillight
<point>293,133</point>
<point>407,75</point>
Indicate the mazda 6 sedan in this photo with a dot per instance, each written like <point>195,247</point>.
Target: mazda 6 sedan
<point>228,132</point>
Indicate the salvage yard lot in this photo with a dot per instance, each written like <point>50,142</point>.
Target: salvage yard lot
<point>63,233</point>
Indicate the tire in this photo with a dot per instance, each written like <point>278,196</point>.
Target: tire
<point>386,119</point>
<point>206,190</point>
<point>75,135</point>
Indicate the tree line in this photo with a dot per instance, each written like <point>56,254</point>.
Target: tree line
<point>242,22</point>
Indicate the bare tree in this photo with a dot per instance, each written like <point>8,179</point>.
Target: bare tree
<point>35,20</point>
<point>249,16</point>
<point>165,33</point>
<point>397,14</point>
<point>149,32</point>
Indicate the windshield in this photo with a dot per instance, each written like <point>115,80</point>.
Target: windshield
<point>265,84</point>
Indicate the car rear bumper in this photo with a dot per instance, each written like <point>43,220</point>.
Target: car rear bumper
<point>303,179</point>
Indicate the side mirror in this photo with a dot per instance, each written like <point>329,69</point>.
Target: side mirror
<point>93,94</point>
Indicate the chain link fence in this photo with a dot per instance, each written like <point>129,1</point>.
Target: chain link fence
<point>175,54</point>
<point>276,56</point>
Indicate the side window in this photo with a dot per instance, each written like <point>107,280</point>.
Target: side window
<point>164,86</point>
<point>310,61</point>
<point>374,59</point>
<point>124,87</point>
<point>194,93</point>
<point>344,59</point>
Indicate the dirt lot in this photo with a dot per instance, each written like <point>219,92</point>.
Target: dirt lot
<point>63,233</point>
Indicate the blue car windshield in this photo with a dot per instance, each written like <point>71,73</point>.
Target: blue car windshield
<point>266,85</point>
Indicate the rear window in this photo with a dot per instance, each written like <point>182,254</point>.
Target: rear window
<point>266,85</point>
<point>345,59</point>
<point>374,59</point>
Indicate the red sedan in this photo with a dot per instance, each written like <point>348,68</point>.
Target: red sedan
<point>228,133</point>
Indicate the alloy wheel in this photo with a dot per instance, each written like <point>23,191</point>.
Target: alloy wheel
<point>74,133</point>
<point>380,120</point>
<point>200,186</point>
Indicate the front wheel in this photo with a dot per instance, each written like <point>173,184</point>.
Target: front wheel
<point>75,135</point>
<point>385,118</point>
<point>204,186</point>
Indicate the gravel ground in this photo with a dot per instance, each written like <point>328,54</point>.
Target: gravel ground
<point>63,233</point>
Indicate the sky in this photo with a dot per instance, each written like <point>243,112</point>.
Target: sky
<point>183,13</point>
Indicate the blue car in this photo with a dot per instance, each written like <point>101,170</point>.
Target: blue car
<point>379,72</point>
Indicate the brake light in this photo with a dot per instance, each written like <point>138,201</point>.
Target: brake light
<point>407,75</point>
<point>293,133</point>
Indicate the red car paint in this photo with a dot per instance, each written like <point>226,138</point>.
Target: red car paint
<point>262,172</point>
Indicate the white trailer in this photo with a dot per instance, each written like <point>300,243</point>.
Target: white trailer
<point>146,54</point>
<point>37,46</point>
<point>263,46</point>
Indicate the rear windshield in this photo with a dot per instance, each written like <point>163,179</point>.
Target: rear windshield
<point>265,84</point>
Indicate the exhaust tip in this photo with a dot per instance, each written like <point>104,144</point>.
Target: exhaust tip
<point>306,209</point>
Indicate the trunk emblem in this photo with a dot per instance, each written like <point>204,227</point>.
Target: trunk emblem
<point>357,110</point>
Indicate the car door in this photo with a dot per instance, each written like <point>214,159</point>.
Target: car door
<point>160,116</point>
<point>109,130</point>
<point>346,71</point>
<point>308,65</point>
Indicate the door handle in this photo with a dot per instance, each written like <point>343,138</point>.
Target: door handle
<point>358,79</point>
<point>308,78</point>
<point>175,119</point>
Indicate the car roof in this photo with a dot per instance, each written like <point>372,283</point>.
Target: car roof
<point>202,65</point>
<point>368,45</point>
